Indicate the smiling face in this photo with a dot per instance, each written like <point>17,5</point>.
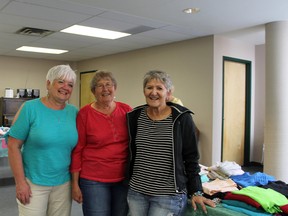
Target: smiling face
<point>105,91</point>
<point>60,89</point>
<point>156,93</point>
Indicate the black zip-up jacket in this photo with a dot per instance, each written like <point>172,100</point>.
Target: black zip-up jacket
<point>185,149</point>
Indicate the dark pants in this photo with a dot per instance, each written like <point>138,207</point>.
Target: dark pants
<point>104,199</point>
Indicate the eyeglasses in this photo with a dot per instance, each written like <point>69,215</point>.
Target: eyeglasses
<point>107,85</point>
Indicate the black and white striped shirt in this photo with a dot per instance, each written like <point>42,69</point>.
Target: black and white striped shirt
<point>153,168</point>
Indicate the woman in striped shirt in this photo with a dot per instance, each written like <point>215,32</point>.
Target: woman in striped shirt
<point>164,169</point>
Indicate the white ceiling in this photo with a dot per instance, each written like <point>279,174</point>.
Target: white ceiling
<point>153,22</point>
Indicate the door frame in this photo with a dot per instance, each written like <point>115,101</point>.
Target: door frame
<point>247,107</point>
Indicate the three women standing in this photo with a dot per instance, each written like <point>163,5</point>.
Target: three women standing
<point>163,162</point>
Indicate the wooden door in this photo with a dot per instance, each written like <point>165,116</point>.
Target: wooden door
<point>234,112</point>
<point>86,95</point>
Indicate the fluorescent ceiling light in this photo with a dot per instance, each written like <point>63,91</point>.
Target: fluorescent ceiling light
<point>41,50</point>
<point>94,32</point>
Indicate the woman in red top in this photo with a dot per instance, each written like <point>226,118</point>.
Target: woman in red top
<point>100,156</point>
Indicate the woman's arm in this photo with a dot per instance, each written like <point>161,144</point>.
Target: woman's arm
<point>76,192</point>
<point>23,191</point>
<point>76,157</point>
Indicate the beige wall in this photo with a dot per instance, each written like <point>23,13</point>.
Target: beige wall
<point>194,65</point>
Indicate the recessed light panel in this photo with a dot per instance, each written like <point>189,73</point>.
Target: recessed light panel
<point>41,50</point>
<point>94,32</point>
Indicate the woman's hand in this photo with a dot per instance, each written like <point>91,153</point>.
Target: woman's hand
<point>202,201</point>
<point>23,192</point>
<point>76,193</point>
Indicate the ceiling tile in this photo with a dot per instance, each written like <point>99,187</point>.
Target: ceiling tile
<point>77,7</point>
<point>43,13</point>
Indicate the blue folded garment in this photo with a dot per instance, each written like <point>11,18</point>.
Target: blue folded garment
<point>256,179</point>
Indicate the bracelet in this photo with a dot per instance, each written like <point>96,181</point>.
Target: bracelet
<point>198,193</point>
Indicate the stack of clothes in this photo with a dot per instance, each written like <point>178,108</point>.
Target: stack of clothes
<point>252,194</point>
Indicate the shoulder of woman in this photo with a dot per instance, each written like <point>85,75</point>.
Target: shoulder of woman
<point>180,109</point>
<point>124,106</point>
<point>72,107</point>
<point>85,109</point>
<point>33,101</point>
<point>31,104</point>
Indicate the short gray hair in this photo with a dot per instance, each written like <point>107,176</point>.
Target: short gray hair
<point>61,71</point>
<point>102,75</point>
<point>158,75</point>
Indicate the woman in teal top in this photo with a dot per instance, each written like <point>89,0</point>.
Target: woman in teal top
<point>40,142</point>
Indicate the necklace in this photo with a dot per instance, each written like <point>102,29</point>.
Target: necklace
<point>60,116</point>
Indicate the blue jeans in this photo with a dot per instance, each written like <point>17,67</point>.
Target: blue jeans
<point>103,199</point>
<point>143,205</point>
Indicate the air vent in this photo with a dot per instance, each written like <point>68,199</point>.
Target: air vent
<point>139,29</point>
<point>34,32</point>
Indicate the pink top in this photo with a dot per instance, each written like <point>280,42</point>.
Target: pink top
<point>101,153</point>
